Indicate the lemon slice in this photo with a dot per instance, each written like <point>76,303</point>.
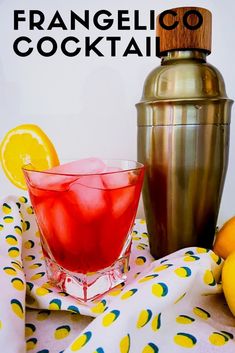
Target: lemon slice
<point>23,145</point>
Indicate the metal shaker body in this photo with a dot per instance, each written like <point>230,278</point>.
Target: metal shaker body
<point>183,140</point>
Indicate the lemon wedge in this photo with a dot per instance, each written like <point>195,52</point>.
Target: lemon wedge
<point>26,144</point>
<point>228,282</point>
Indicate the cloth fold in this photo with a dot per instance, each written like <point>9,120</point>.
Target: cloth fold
<point>175,303</point>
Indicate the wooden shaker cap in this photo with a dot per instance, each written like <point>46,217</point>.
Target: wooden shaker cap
<point>181,37</point>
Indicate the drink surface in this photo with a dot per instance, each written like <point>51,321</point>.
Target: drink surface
<point>85,220</point>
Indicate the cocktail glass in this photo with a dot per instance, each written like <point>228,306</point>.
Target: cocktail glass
<point>85,221</point>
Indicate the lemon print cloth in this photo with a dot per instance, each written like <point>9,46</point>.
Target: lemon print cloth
<point>174,304</point>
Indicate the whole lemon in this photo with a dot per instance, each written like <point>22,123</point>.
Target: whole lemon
<point>225,239</point>
<point>228,282</point>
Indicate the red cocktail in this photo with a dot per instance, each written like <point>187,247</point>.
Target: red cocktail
<point>85,212</point>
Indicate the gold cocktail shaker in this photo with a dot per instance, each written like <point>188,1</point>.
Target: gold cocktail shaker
<point>183,135</point>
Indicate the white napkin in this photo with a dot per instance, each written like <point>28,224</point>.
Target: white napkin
<point>172,304</point>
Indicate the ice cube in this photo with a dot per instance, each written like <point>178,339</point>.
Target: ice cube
<point>111,169</point>
<point>61,228</point>
<point>47,181</point>
<point>89,197</point>
<point>122,200</point>
<point>82,166</point>
<point>60,218</point>
<point>116,179</point>
<point>91,181</point>
<point>59,178</point>
<point>43,215</point>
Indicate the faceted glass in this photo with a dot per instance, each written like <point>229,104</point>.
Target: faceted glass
<point>85,221</point>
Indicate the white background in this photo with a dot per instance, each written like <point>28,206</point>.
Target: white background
<point>87,105</point>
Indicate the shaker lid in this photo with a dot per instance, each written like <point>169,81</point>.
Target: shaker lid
<point>184,28</point>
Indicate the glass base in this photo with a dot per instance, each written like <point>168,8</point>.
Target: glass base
<point>89,286</point>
